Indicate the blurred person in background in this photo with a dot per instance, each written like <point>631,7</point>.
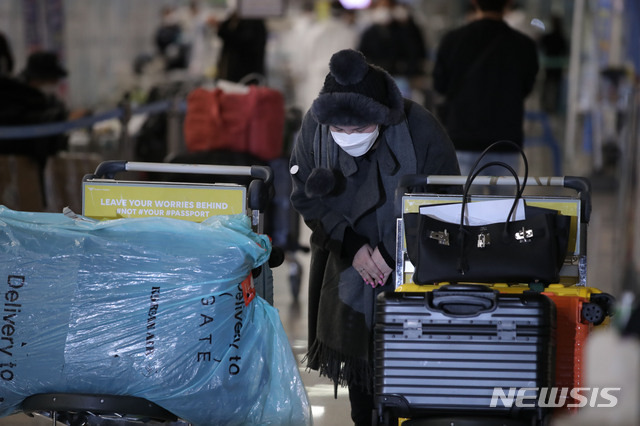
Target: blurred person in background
<point>6,56</point>
<point>554,48</point>
<point>184,39</point>
<point>301,18</point>
<point>309,51</point>
<point>168,39</point>
<point>485,70</point>
<point>396,43</point>
<point>32,98</point>
<point>199,36</point>
<point>244,43</point>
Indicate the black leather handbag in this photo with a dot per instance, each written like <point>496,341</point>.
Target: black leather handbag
<point>513,251</point>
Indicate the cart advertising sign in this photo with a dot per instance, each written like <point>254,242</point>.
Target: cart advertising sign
<point>109,200</point>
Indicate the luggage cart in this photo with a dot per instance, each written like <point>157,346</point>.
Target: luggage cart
<point>578,307</point>
<point>576,205</point>
<point>282,222</point>
<point>206,199</point>
<point>215,199</point>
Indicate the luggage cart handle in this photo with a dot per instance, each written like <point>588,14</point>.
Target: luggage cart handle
<point>108,169</point>
<point>581,185</point>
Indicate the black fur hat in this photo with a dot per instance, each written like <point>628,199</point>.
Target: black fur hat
<point>357,93</point>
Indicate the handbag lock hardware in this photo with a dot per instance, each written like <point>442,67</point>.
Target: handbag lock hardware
<point>484,238</point>
<point>524,235</point>
<point>441,237</point>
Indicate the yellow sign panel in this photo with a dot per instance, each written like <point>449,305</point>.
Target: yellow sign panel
<point>111,200</point>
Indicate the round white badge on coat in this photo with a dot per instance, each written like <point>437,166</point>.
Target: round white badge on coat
<point>294,169</point>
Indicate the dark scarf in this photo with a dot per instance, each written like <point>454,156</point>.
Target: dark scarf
<point>341,306</point>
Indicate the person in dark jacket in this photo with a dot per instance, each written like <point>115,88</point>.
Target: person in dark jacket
<point>244,44</point>
<point>357,140</point>
<point>554,49</point>
<point>6,56</point>
<point>31,99</point>
<point>394,41</point>
<point>485,70</point>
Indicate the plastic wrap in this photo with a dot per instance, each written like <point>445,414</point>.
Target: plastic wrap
<point>148,307</point>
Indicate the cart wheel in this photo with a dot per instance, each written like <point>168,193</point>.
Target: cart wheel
<point>380,419</point>
<point>605,301</point>
<point>545,420</point>
<point>593,313</point>
<point>277,256</point>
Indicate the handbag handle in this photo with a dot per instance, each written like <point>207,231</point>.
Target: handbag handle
<point>492,148</point>
<point>462,264</point>
<point>465,196</point>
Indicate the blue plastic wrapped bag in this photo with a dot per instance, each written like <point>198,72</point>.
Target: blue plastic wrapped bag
<point>148,307</point>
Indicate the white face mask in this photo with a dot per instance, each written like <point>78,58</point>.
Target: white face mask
<point>355,144</point>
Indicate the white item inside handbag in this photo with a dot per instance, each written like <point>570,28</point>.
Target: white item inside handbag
<point>477,213</point>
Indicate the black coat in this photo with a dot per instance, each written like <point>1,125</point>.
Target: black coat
<point>341,305</point>
<point>6,56</point>
<point>398,47</point>
<point>243,49</point>
<point>485,70</point>
<point>23,105</point>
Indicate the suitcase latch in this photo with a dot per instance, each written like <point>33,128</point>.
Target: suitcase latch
<point>484,238</point>
<point>524,235</point>
<point>412,329</point>
<point>441,237</point>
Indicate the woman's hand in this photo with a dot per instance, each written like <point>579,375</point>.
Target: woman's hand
<point>367,266</point>
<point>382,266</point>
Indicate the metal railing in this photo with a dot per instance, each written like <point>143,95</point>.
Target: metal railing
<point>124,112</point>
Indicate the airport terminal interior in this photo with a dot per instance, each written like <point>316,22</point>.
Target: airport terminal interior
<point>126,91</point>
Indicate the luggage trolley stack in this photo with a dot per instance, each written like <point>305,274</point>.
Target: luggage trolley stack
<point>189,201</point>
<point>465,353</point>
<point>183,200</point>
